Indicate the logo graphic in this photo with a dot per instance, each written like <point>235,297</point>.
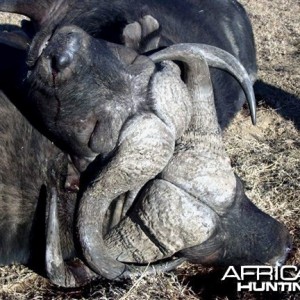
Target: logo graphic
<point>264,278</point>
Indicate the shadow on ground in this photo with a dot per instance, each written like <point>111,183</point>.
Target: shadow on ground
<point>285,104</point>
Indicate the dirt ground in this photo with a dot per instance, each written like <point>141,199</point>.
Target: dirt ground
<point>266,157</point>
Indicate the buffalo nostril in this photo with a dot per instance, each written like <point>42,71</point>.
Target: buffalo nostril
<point>61,61</point>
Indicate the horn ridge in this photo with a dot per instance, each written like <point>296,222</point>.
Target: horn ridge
<point>215,57</point>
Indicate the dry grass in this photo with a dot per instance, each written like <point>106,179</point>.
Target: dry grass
<point>266,157</point>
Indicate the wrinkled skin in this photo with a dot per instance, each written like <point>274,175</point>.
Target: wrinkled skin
<point>195,176</point>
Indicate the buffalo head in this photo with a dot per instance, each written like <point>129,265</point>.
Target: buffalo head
<point>165,159</point>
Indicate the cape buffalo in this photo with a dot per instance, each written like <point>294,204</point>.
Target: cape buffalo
<point>164,153</point>
<point>149,129</point>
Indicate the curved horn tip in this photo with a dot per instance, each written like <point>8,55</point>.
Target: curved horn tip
<point>249,92</point>
<point>253,115</point>
<point>55,266</point>
<point>217,58</point>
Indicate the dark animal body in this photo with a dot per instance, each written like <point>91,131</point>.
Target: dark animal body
<point>109,107</point>
<point>29,163</point>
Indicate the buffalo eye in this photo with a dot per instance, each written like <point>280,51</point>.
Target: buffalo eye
<point>63,49</point>
<point>61,61</point>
